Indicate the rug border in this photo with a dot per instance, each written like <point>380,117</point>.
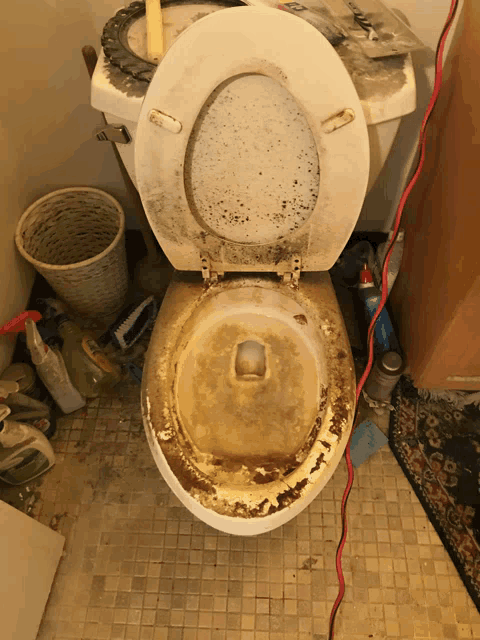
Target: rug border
<point>423,501</point>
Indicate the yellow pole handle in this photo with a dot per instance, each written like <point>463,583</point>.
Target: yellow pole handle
<point>155,46</point>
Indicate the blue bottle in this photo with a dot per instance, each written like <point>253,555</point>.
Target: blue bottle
<point>384,338</point>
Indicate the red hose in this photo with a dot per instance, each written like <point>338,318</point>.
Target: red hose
<point>398,217</point>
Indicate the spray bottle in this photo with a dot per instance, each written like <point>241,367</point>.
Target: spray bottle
<point>384,338</point>
<point>88,366</point>
<point>52,371</point>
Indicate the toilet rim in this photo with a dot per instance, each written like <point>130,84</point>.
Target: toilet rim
<point>251,41</point>
<point>266,502</point>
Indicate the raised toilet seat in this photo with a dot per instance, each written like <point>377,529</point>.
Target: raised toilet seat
<point>248,387</point>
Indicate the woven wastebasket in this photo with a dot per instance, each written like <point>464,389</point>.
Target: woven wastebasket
<point>75,238</point>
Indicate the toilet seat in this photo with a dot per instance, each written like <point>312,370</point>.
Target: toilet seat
<point>241,495</point>
<point>225,45</point>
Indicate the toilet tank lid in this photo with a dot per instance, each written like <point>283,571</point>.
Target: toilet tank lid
<point>385,86</point>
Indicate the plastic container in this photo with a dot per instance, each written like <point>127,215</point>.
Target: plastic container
<point>52,371</point>
<point>89,369</point>
<point>384,338</point>
<point>76,239</point>
<point>25,453</point>
<point>384,376</point>
<point>24,407</point>
<point>24,375</point>
<point>32,401</point>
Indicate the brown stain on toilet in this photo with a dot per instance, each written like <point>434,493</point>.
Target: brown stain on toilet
<point>341,413</point>
<point>301,319</point>
<point>318,463</point>
<point>187,474</point>
<point>287,497</point>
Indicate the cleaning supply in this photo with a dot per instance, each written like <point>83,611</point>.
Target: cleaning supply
<point>32,402</point>
<point>88,367</point>
<point>384,335</point>
<point>25,453</point>
<point>366,440</point>
<point>380,383</point>
<point>131,324</point>
<point>384,376</point>
<point>17,324</point>
<point>24,376</point>
<point>25,408</point>
<point>52,371</point>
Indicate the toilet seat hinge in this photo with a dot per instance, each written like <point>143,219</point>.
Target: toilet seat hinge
<point>209,276</point>
<point>292,277</point>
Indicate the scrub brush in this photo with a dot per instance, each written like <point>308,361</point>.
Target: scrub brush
<point>131,324</point>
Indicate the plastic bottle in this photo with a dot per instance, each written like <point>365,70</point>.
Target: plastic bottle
<point>384,376</point>
<point>90,370</point>
<point>31,402</point>
<point>24,375</point>
<point>25,453</point>
<point>52,371</point>
<point>384,338</point>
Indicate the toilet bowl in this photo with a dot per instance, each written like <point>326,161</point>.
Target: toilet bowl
<point>252,162</point>
<point>247,444</point>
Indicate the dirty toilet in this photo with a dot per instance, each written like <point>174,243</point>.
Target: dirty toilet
<point>252,161</point>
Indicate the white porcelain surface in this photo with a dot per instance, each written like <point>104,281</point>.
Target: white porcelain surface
<point>259,145</point>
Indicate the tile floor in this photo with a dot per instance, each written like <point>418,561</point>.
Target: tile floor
<point>139,566</point>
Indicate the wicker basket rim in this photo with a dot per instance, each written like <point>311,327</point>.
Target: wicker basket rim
<point>76,265</point>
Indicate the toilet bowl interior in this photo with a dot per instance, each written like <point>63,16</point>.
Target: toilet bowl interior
<point>216,353</point>
<point>249,378</point>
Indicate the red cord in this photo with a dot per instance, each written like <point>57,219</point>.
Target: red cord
<point>398,217</point>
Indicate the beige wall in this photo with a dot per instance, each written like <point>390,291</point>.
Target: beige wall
<point>46,123</point>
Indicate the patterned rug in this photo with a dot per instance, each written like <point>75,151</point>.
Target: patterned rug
<point>438,448</point>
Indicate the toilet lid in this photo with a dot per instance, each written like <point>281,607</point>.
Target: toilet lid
<point>252,149</point>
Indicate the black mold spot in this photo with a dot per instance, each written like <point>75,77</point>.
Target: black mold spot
<point>301,319</point>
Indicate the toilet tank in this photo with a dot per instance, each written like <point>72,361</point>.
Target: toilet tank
<point>386,88</point>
